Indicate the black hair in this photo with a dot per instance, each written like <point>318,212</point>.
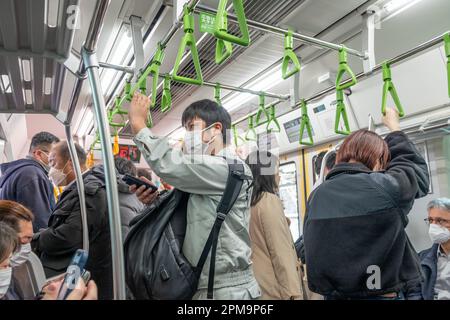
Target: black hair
<point>9,241</point>
<point>329,164</point>
<point>42,139</point>
<point>64,152</point>
<point>262,164</point>
<point>210,112</point>
<point>142,172</point>
<point>125,166</point>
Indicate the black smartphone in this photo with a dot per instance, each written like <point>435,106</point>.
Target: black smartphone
<point>130,180</point>
<point>73,274</point>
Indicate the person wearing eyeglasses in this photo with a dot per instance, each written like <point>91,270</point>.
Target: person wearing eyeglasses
<point>435,261</point>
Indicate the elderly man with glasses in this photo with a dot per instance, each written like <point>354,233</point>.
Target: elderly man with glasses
<point>436,260</point>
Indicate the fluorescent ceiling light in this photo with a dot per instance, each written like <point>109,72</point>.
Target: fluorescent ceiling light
<point>28,97</point>
<point>48,86</point>
<point>6,83</point>
<point>52,13</point>
<point>26,70</point>
<point>395,7</point>
<point>86,123</point>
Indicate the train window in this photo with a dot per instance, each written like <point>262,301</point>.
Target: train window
<point>289,196</point>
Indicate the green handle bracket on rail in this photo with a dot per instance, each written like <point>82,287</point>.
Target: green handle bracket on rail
<point>447,53</point>
<point>289,56</point>
<point>273,125</point>
<point>166,99</point>
<point>217,94</point>
<point>224,49</point>
<point>188,41</point>
<point>305,124</point>
<point>244,40</point>
<point>344,68</point>
<point>262,111</point>
<point>236,137</point>
<point>251,134</point>
<point>390,88</point>
<point>341,112</point>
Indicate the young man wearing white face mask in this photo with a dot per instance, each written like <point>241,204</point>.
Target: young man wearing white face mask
<point>436,260</point>
<point>200,169</point>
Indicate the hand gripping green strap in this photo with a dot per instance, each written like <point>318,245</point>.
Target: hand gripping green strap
<point>219,33</point>
<point>344,68</point>
<point>289,56</point>
<point>152,70</point>
<point>188,41</point>
<point>262,110</point>
<point>236,137</point>
<point>217,94</point>
<point>224,49</point>
<point>341,111</point>
<point>389,87</point>
<point>273,125</point>
<point>305,124</point>
<point>166,99</point>
<point>251,134</point>
<point>447,53</point>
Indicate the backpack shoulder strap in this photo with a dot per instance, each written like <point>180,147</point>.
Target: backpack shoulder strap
<point>236,178</point>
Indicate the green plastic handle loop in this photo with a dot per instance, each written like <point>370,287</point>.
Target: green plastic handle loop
<point>166,99</point>
<point>262,111</point>
<point>149,120</point>
<point>390,88</point>
<point>143,87</point>
<point>128,94</point>
<point>251,134</point>
<point>188,40</point>
<point>96,141</point>
<point>217,94</point>
<point>447,53</point>
<point>344,68</point>
<point>244,39</point>
<point>236,137</point>
<point>224,49</point>
<point>289,56</point>
<point>341,112</point>
<point>305,124</point>
<point>273,121</point>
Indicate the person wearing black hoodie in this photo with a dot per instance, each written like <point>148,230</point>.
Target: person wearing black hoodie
<point>26,180</point>
<point>355,240</point>
<point>57,244</point>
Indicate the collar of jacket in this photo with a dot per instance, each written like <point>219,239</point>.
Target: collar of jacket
<point>37,162</point>
<point>431,257</point>
<point>348,168</point>
<point>93,179</point>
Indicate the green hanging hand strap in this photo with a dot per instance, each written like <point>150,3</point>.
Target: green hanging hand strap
<point>96,141</point>
<point>188,41</point>
<point>447,53</point>
<point>217,90</point>
<point>128,94</point>
<point>166,99</point>
<point>117,110</point>
<point>390,88</point>
<point>221,34</point>
<point>262,111</point>
<point>236,136</point>
<point>305,124</point>
<point>224,49</point>
<point>289,56</point>
<point>251,134</point>
<point>273,125</point>
<point>149,120</point>
<point>344,68</point>
<point>341,111</point>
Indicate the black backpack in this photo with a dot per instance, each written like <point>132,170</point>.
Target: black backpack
<point>155,266</point>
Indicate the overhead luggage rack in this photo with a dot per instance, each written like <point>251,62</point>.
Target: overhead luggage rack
<point>35,40</point>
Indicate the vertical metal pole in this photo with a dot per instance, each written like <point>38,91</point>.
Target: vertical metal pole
<point>368,38</point>
<point>91,65</point>
<point>138,43</point>
<point>80,186</point>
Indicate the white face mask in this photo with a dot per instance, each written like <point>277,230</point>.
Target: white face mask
<point>5,280</point>
<point>438,234</point>
<point>193,142</point>
<point>57,176</point>
<point>22,256</point>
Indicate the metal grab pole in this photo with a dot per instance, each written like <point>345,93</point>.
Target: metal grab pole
<point>91,64</point>
<point>282,32</point>
<point>80,186</point>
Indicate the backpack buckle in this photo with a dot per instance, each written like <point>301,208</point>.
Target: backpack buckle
<point>221,216</point>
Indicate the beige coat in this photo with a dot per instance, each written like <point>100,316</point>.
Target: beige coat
<point>275,262</point>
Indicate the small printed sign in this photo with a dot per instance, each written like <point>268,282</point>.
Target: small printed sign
<point>207,22</point>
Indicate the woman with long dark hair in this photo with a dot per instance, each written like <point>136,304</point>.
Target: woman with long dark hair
<point>275,261</point>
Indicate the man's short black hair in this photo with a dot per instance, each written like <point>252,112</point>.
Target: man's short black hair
<point>63,148</point>
<point>210,112</point>
<point>125,166</point>
<point>42,139</point>
<point>329,164</point>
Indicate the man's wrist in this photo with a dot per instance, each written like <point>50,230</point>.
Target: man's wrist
<point>137,127</point>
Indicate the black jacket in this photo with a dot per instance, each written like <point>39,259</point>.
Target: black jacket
<point>355,226</point>
<point>429,259</point>
<point>25,181</point>
<point>58,243</point>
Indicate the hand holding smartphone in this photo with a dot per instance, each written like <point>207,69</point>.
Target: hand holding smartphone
<point>130,180</point>
<point>75,271</point>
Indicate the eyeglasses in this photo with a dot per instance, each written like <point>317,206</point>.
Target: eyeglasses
<point>438,221</point>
